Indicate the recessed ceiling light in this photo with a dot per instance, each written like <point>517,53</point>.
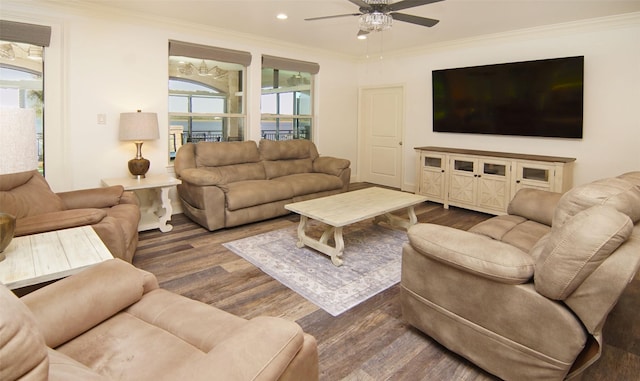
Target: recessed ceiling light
<point>282,16</point>
<point>362,37</point>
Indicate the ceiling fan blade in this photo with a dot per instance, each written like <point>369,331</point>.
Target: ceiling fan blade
<point>409,4</point>
<point>414,19</point>
<point>331,17</point>
<point>360,3</point>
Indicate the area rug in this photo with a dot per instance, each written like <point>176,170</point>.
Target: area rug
<point>372,260</point>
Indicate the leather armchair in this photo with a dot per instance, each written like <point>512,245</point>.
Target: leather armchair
<point>78,329</point>
<point>525,295</point>
<point>112,212</point>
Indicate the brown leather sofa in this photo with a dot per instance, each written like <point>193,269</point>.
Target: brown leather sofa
<point>525,295</point>
<point>112,212</point>
<point>79,329</point>
<point>228,184</point>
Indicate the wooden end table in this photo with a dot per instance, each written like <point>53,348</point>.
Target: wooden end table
<point>347,208</point>
<point>43,257</point>
<point>158,213</point>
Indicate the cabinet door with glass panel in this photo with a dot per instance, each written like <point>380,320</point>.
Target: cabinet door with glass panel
<point>482,183</point>
<point>433,176</point>
<point>534,175</point>
<point>493,184</point>
<point>462,180</point>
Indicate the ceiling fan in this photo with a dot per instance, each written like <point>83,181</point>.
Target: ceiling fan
<point>377,15</point>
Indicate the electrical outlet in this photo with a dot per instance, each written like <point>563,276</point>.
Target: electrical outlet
<point>102,118</point>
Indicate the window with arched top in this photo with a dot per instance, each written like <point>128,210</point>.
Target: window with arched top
<point>206,94</point>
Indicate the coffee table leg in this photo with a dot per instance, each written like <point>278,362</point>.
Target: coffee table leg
<point>302,226</point>
<point>322,244</point>
<point>396,221</point>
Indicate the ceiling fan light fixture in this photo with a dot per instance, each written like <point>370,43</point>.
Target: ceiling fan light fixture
<point>375,22</point>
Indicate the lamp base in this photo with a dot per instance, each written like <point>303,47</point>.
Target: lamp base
<point>139,167</point>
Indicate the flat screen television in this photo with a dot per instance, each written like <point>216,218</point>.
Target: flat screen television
<point>532,98</point>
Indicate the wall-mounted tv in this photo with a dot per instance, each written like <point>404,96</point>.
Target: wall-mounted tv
<point>532,98</point>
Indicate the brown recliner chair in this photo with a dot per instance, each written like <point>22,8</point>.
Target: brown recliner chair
<point>525,295</point>
<point>112,212</point>
<point>112,322</point>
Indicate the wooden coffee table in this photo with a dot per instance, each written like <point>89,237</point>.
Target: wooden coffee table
<point>347,208</point>
<point>43,257</point>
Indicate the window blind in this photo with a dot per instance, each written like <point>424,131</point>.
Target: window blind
<point>187,49</point>
<point>289,64</point>
<point>33,34</point>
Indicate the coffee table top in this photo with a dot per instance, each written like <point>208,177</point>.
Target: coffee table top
<point>350,207</point>
<point>39,258</point>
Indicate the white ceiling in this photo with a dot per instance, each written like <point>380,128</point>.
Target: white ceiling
<point>459,19</point>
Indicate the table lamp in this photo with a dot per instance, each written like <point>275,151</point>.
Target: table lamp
<point>18,153</point>
<point>137,127</point>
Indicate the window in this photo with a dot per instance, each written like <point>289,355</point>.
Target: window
<point>206,94</point>
<point>286,103</point>
<point>21,73</point>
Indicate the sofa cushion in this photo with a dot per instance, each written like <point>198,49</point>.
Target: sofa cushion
<point>216,154</point>
<point>243,194</point>
<point>26,194</point>
<point>287,149</point>
<point>64,368</point>
<point>512,229</point>
<point>239,172</point>
<point>534,204</point>
<point>58,220</point>
<point>575,249</point>
<point>278,168</point>
<point>308,183</point>
<point>615,192</point>
<point>472,253</point>
<point>23,353</point>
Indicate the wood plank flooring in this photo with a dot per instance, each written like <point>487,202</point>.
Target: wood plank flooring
<point>368,342</point>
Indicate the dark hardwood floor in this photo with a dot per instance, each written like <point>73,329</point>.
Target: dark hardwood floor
<point>368,342</point>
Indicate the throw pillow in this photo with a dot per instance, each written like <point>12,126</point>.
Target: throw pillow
<point>574,250</point>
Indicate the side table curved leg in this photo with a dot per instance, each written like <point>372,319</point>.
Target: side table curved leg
<point>164,214</point>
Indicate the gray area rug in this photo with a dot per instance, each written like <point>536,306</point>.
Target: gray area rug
<point>372,260</point>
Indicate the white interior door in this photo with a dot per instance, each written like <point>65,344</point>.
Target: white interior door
<point>381,131</point>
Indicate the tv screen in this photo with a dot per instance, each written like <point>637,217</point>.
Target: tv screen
<point>533,98</point>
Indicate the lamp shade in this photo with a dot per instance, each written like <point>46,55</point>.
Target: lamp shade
<point>18,144</point>
<point>139,126</point>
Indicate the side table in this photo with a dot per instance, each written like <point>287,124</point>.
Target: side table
<point>38,258</point>
<point>156,215</point>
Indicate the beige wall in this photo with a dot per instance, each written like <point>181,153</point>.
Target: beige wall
<point>611,139</point>
<point>108,64</point>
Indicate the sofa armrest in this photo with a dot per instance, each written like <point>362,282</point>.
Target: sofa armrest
<point>473,253</point>
<point>65,219</point>
<point>330,165</point>
<point>129,197</point>
<point>71,306</point>
<point>201,177</point>
<point>92,198</point>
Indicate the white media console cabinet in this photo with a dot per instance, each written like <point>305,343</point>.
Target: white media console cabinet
<point>486,181</point>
